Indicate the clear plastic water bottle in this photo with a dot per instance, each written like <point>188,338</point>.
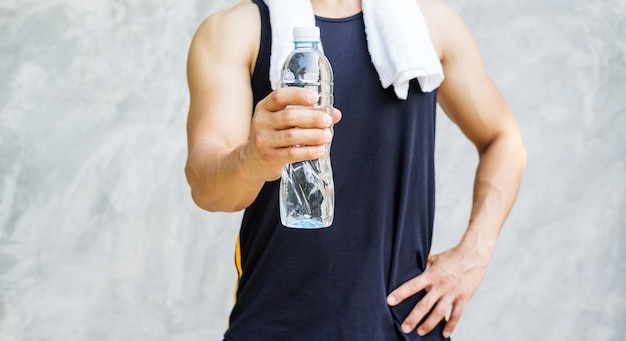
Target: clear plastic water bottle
<point>307,192</point>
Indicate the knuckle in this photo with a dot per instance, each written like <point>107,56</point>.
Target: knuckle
<point>413,318</point>
<point>293,152</point>
<point>307,153</point>
<point>279,96</point>
<point>265,153</point>
<point>259,140</point>
<point>442,281</point>
<point>290,135</point>
<point>257,122</point>
<point>458,309</point>
<point>462,298</point>
<point>258,107</point>
<point>288,117</point>
<point>434,273</point>
<point>322,137</point>
<point>428,325</point>
<point>428,301</point>
<point>440,310</point>
<point>319,118</point>
<point>262,144</point>
<point>454,319</point>
<point>402,292</point>
<point>423,305</point>
<point>414,286</point>
<point>451,324</point>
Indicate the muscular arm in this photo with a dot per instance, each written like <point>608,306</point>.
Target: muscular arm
<point>218,73</point>
<point>233,148</point>
<point>472,101</point>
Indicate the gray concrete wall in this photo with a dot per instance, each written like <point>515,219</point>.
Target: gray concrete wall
<point>99,239</point>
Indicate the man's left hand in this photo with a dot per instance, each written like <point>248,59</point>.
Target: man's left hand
<point>450,280</point>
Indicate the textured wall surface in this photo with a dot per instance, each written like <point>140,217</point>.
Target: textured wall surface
<point>99,239</point>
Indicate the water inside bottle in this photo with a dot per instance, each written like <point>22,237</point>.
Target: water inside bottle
<point>306,196</point>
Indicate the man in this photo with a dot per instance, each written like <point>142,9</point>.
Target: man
<point>368,276</point>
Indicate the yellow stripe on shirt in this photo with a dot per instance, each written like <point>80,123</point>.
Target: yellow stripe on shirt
<point>238,262</point>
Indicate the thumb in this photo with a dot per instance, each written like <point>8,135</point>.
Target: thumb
<point>280,98</point>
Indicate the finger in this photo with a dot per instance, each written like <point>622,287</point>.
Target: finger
<point>419,311</point>
<point>279,99</point>
<point>296,154</point>
<point>301,117</point>
<point>337,115</point>
<point>408,289</point>
<point>455,316</point>
<point>291,147</point>
<point>302,137</point>
<point>436,315</point>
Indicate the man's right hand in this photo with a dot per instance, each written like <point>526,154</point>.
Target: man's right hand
<point>282,120</point>
<point>234,148</point>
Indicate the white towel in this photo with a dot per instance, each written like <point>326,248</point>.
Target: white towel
<point>397,39</point>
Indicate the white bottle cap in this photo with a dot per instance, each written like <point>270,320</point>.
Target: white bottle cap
<point>306,33</point>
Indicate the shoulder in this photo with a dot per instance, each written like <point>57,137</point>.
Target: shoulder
<point>230,33</point>
<point>236,17</point>
<point>467,95</point>
<point>446,27</point>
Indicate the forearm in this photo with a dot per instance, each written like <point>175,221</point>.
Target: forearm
<point>497,182</point>
<point>219,180</point>
<point>225,178</point>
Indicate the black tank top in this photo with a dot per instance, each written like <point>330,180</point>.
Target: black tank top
<point>332,283</point>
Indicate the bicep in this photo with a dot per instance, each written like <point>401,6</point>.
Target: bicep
<point>468,95</point>
<point>218,72</point>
